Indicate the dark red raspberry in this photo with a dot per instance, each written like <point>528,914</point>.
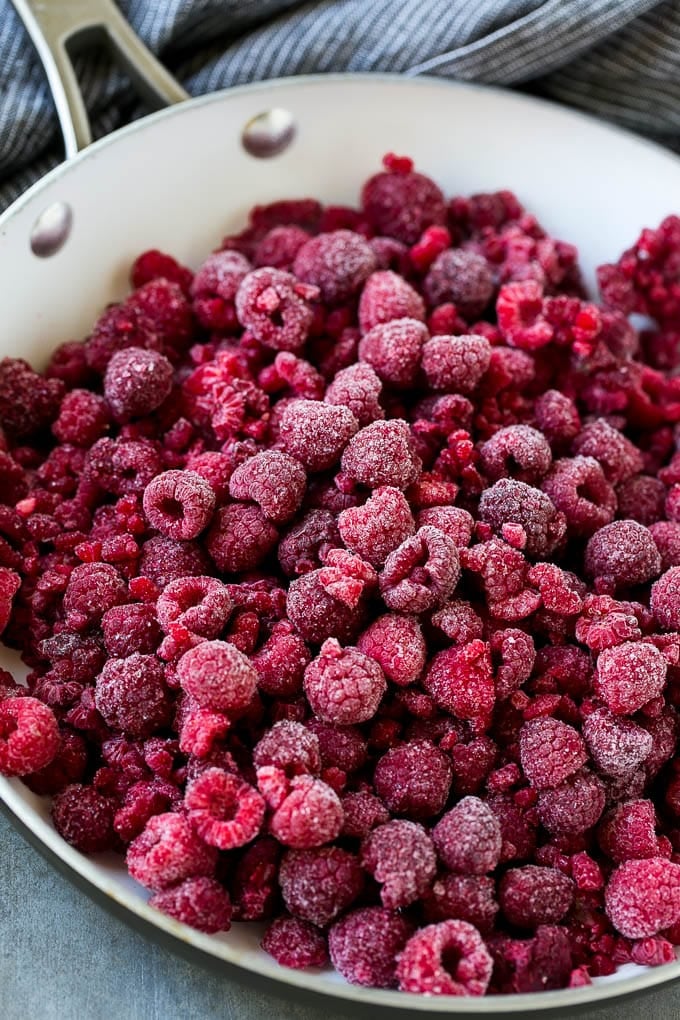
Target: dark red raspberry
<point>387,296</point>
<point>179,504</point>
<point>218,676</point>
<point>342,747</point>
<point>317,885</point>
<point>202,605</point>
<point>363,812</point>
<point>10,583</point>
<point>641,498</point>
<point>535,965</point>
<point>67,766</point>
<point>414,779</point>
<point>275,308</point>
<point>393,349</point>
<point>382,453</point>
<point>421,573</point>
<point>202,903</point>
<point>463,278</point>
<point>162,306</point>
<point>343,685</point>
<point>254,884</point>
<point>279,247</point>
<point>396,643</point>
<point>375,529</point>
<point>573,807</point>
<point>619,457</point>
<point>295,943</point>
<point>83,418</point>
<point>28,402</point>
<point>530,896</point>
<point>122,467</point>
<point>364,946</point>
<point>240,538</point>
<point>273,480</point>
<point>456,364</point>
<point>578,488</point>
<point>459,622</point>
<point>154,264</point>
<point>468,838</point>
<point>402,203</point>
<point>630,675</point>
<point>316,433</point>
<point>225,811</point>
<point>291,747</point>
<point>445,959</point>
<point>214,288</point>
<point>514,655</point>
<point>357,388</point>
<point>119,327</point>
<point>84,818</point>
<point>665,600</point>
<point>131,628</point>
<point>517,451</point>
<point>643,897</point>
<point>460,679</point>
<point>617,746</point>
<point>131,695</point>
<point>401,857</point>
<point>318,614</point>
<point>304,543</point>
<point>136,383</point>
<point>550,752</point>
<point>29,736</point>
<point>338,263</point>
<point>452,520</point>
<point>468,898</point>
<point>512,502</point>
<point>280,663</point>
<point>165,560</point>
<point>92,589</point>
<point>666,535</point>
<point>627,832</point>
<point>558,419</point>
<point>168,851</point>
<point>310,815</point>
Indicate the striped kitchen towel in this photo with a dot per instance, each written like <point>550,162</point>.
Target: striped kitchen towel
<point>619,59</point>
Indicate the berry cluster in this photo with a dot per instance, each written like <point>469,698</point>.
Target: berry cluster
<point>347,572</point>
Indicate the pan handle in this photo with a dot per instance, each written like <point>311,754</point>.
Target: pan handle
<point>60,30</point>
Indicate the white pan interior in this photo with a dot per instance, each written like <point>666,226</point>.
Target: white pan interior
<point>181,179</point>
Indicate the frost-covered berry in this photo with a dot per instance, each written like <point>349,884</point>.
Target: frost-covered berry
<point>338,263</point>
<point>179,504</point>
<point>29,736</point>
<point>623,554</point>
<point>376,528</point>
<point>573,807</point>
<point>512,502</point>
<point>225,811</point>
<point>316,433</point>
<point>84,818</point>
<point>136,382</point>
<point>343,686</point>
<point>401,857</point>
<point>275,308</point>
<point>628,831</point>
<point>445,959</point>
<point>83,418</point>
<point>92,589</point>
<point>218,676</point>
<point>401,203</point>
<point>273,480</point>
<point>295,943</point>
<point>310,815</point>
<point>358,388</point>
<point>382,453</point>
<point>665,600</point>
<point>470,898</point>
<point>131,628</point>
<point>319,884</point>
<point>421,573</point>
<point>532,895</point>
<point>468,838</point>
<point>578,488</point>
<point>202,903</point>
<point>387,296</point>
<point>396,642</point>
<point>414,779</point>
<point>132,696</point>
<point>240,538</point>
<point>517,451</point>
<point>463,278</point>
<point>169,851</point>
<point>550,752</point>
<point>202,605</point>
<point>456,364</point>
<point>393,350</point>
<point>619,457</point>
<point>617,746</point>
<point>460,679</point>
<point>364,946</point>
<point>643,897</point>
<point>629,675</point>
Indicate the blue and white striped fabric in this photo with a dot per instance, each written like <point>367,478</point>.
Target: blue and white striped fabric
<point>619,59</point>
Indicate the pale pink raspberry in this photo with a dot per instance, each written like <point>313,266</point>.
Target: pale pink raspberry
<point>310,816</point>
<point>445,959</point>
<point>456,364</point>
<point>377,528</point>
<point>224,810</point>
<point>643,897</point>
<point>343,686</point>
<point>169,851</point>
<point>218,676</point>
<point>316,433</point>
<point>358,388</point>
<point>387,296</point>
<point>550,752</point>
<point>630,675</point>
<point>393,349</point>
<point>468,838</point>
<point>397,644</point>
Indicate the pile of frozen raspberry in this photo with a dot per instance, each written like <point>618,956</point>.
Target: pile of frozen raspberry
<point>347,573</point>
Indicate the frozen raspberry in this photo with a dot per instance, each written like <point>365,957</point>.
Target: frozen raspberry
<point>10,582</point>
<point>291,747</point>
<point>463,278</point>
<point>641,498</point>
<point>604,622</point>
<point>363,812</point>
<point>342,747</point>
<point>645,277</point>
<point>129,629</point>
<point>665,600</point>
<point>617,746</point>
<point>401,857</point>
<point>162,305</point>
<point>303,544</point>
<point>512,502</point>
<point>343,686</point>
<point>558,419</point>
<point>387,296</point>
<point>28,402</point>
<point>630,675</point>
<point>513,655</point>
<point>218,676</point>
<point>202,605</point>
<point>460,679</point>
<point>165,560</point>
<point>382,453</point>
<point>521,321</point>
<point>365,943</point>
<point>168,851</point>
<point>316,433</point>
<point>216,468</point>
<point>643,897</point>
<point>275,308</point>
<point>414,779</point>
<point>136,382</point>
<point>393,350</point>
<point>628,831</point>
<point>154,264</point>
<point>319,884</point>
<point>550,752</point>
<point>84,818</point>
<point>619,457</point>
<point>119,327</point>
<point>357,388</point>
<point>666,535</point>
<point>279,247</point>
<point>337,263</point>
<point>280,663</point>
<point>67,766</point>
<point>517,451</point>
<point>240,538</point>
<point>653,952</point>
<point>122,467</point>
<point>468,838</point>
<point>83,418</point>
<point>664,731</point>
<point>29,736</point>
<point>573,807</point>
<point>468,898</point>
<point>92,589</point>
<point>531,895</point>
<point>202,903</point>
<point>214,288</point>
<point>318,614</point>
<point>375,529</point>
<point>445,959</point>
<point>295,943</point>
<point>254,885</point>
<point>539,964</point>
<point>179,504</point>
<point>225,811</point>
<point>310,815</point>
<point>396,643</point>
<point>578,488</point>
<point>452,520</point>
<point>421,573</point>
<point>273,480</point>
<point>456,364</point>
<point>132,696</point>
<point>458,620</point>
<point>402,203</point>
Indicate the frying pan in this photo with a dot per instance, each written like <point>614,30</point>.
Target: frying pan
<point>183,177</point>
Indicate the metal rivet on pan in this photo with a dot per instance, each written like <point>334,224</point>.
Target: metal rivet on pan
<point>269,133</point>
<point>51,229</point>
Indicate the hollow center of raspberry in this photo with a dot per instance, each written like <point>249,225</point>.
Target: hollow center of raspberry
<point>587,491</point>
<point>171,507</point>
<point>224,806</point>
<point>451,957</point>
